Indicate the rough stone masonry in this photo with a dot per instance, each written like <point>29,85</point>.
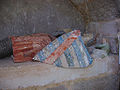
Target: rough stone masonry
<point>20,17</point>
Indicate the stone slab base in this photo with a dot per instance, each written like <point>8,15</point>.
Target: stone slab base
<point>102,74</point>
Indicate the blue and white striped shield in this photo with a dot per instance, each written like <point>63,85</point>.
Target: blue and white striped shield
<point>67,51</point>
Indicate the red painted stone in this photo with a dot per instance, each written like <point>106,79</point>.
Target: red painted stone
<point>26,47</point>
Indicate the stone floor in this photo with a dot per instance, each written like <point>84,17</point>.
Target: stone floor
<point>101,75</point>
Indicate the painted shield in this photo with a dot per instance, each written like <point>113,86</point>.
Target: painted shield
<point>26,47</point>
<point>67,51</point>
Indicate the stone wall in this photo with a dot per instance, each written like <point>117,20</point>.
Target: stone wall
<point>103,10</point>
<point>118,4</point>
<point>19,17</point>
<point>97,10</point>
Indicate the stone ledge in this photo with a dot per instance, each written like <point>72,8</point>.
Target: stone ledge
<point>28,74</point>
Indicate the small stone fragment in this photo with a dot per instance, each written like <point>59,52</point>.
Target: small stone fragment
<point>97,53</point>
<point>104,47</point>
<point>87,37</point>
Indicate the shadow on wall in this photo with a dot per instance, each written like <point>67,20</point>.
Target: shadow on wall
<point>118,4</point>
<point>20,17</point>
<point>97,10</point>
